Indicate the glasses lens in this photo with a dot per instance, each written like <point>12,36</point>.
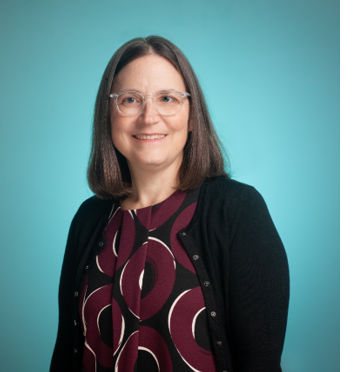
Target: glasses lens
<point>168,103</point>
<point>129,103</point>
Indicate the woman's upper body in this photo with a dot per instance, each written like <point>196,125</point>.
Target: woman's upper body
<point>153,135</point>
<point>233,244</point>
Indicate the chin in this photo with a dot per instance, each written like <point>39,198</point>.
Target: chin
<point>154,163</point>
<point>158,162</point>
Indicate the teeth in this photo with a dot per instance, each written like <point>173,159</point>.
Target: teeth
<point>154,136</point>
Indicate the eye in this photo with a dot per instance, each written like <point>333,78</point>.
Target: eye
<point>166,99</point>
<point>129,99</point>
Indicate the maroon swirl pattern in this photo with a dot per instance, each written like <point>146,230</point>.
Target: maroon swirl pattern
<point>149,340</point>
<point>190,303</point>
<point>94,305</point>
<point>142,298</point>
<point>163,212</point>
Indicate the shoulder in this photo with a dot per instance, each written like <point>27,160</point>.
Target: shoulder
<point>241,210</point>
<point>229,202</point>
<point>225,184</point>
<point>228,192</point>
<point>91,211</point>
<point>94,206</point>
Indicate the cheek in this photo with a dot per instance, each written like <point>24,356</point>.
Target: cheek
<point>117,135</point>
<point>114,131</point>
<point>187,119</point>
<point>117,121</point>
<point>114,125</point>
<point>119,125</point>
<point>182,122</point>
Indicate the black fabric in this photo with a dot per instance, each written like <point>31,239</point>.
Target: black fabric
<point>241,264</point>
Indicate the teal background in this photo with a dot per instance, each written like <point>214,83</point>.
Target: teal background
<point>270,72</point>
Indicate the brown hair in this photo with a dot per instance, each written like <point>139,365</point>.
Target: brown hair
<point>108,173</point>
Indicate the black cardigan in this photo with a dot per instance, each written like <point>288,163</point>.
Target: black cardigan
<point>233,244</point>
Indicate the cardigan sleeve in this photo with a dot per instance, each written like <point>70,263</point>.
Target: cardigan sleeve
<point>259,288</point>
<point>85,230</point>
<point>63,355</point>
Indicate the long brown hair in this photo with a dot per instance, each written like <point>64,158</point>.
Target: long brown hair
<point>108,173</point>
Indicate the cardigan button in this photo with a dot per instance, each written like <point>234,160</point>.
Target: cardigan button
<point>195,257</point>
<point>87,267</point>
<point>219,343</point>
<point>206,283</point>
<point>75,322</point>
<point>213,314</point>
<point>101,243</point>
<point>183,233</point>
<point>76,294</point>
<point>75,351</point>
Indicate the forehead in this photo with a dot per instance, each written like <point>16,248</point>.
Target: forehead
<point>149,74</point>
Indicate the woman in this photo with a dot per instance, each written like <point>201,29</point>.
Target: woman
<point>171,266</point>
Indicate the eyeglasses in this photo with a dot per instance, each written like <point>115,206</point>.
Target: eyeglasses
<point>166,102</point>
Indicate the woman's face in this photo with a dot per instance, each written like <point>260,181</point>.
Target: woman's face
<point>131,135</point>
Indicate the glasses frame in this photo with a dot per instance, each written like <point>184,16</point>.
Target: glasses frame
<point>144,100</point>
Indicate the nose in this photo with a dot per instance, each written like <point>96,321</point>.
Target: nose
<point>150,114</point>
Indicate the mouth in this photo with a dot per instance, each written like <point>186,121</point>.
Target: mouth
<point>149,136</point>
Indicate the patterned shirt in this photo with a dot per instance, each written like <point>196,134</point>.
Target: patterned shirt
<point>141,306</point>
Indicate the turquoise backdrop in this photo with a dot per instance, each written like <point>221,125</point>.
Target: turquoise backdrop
<point>270,72</point>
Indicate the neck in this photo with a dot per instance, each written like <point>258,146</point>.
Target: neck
<point>150,187</point>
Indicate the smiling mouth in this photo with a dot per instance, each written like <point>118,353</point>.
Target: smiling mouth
<point>149,137</point>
